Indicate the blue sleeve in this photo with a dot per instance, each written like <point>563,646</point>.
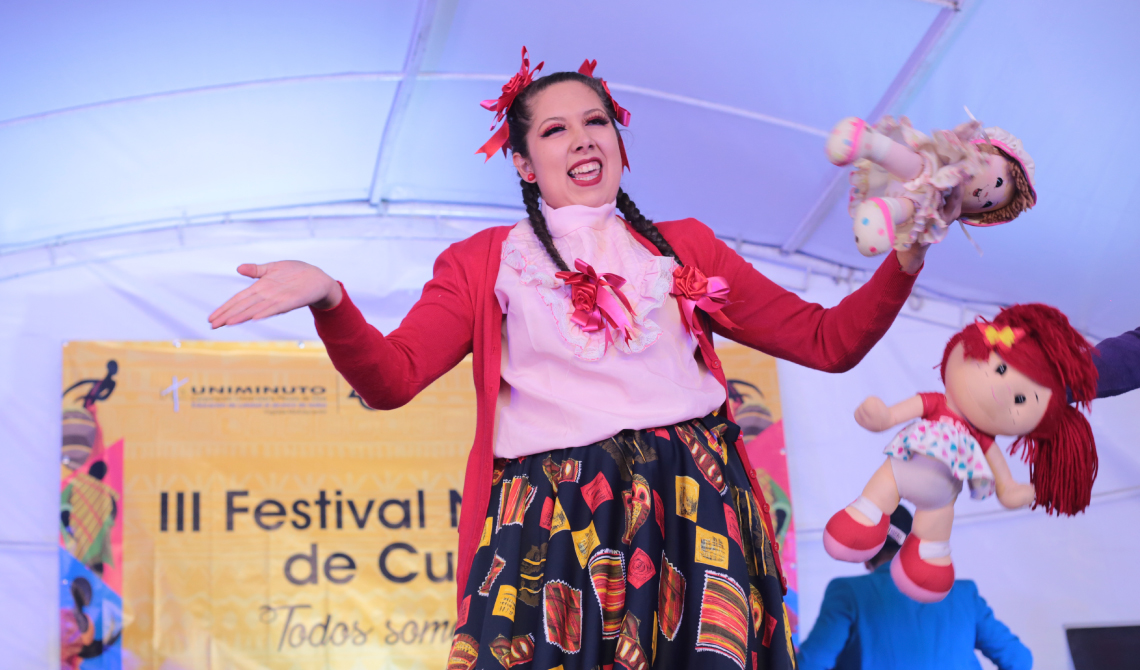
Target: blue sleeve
<point>995,640</point>
<point>831,630</point>
<point>1118,364</point>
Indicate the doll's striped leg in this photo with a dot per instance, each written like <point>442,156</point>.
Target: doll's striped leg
<point>853,138</point>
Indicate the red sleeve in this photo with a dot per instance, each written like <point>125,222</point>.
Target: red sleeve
<point>387,372</point>
<point>778,322</point>
<point>985,440</point>
<point>932,404</point>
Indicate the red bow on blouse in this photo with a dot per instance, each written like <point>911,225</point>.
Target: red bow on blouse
<point>693,289</point>
<point>595,307</point>
<point>511,90</point>
<point>587,68</point>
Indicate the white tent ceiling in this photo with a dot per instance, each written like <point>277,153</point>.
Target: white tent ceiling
<point>120,116</point>
<point>147,148</point>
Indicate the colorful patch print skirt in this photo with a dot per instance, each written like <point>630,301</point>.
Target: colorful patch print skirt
<point>645,550</point>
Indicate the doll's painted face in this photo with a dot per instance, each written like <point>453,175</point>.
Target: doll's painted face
<point>573,147</point>
<point>993,395</point>
<point>991,189</point>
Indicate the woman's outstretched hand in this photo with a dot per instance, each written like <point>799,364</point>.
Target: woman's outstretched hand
<point>281,287</point>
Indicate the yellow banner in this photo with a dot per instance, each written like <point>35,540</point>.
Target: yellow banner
<point>269,518</point>
<point>250,512</point>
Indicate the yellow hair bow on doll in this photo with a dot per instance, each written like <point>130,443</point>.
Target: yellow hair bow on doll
<point>1003,337</point>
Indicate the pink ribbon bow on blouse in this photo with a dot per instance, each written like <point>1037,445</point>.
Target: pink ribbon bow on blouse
<point>595,307</point>
<point>693,289</point>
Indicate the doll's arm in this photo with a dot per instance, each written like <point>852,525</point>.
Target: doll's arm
<point>875,416</point>
<point>1011,493</point>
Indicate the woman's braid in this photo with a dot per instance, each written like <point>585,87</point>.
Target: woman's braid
<point>644,225</point>
<point>538,222</point>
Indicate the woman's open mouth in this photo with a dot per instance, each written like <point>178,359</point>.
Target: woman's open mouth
<point>587,172</point>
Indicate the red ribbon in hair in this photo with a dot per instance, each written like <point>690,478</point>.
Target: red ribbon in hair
<point>622,113</point>
<point>693,289</point>
<point>511,90</point>
<point>595,307</point>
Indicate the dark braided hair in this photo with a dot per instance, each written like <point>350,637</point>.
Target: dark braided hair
<point>644,226</point>
<point>519,119</point>
<point>531,195</point>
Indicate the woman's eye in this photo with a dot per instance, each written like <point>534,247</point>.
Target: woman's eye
<point>999,183</point>
<point>598,121</point>
<point>551,130</point>
<point>1001,368</point>
<point>1019,400</point>
<point>989,203</point>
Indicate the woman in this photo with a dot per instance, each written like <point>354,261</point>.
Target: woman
<point>646,547</point>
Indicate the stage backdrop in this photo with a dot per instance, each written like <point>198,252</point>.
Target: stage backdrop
<point>236,505</point>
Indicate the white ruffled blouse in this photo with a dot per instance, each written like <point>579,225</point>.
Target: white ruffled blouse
<point>563,386</point>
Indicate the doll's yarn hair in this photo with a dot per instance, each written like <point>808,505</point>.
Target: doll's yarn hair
<point>1022,196</point>
<point>1060,451</point>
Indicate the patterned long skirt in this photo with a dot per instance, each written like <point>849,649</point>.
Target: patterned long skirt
<point>645,550</point>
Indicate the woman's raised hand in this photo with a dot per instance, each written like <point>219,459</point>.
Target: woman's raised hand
<point>281,287</point>
<point>911,260</point>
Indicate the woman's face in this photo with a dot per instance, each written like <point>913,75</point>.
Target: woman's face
<point>573,147</point>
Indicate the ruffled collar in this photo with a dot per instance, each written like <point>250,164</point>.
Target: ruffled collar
<point>565,220</point>
<point>649,278</point>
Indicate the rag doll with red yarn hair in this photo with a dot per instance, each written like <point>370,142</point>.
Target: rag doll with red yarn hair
<point>1008,377</point>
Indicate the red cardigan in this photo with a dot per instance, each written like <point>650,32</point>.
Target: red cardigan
<point>458,314</point>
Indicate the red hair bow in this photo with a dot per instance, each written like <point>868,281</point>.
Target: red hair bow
<point>501,139</point>
<point>594,306</point>
<point>623,114</point>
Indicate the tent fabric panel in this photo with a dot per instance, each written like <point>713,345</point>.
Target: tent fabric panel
<point>681,163</point>
<point>64,53</point>
<point>1061,77</point>
<point>204,153</point>
<point>811,62</point>
<point>30,618</point>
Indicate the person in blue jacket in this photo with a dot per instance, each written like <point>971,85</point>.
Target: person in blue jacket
<point>866,622</point>
<point>1118,364</point>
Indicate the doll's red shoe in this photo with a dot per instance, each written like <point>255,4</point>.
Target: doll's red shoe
<point>846,539</point>
<point>918,579</point>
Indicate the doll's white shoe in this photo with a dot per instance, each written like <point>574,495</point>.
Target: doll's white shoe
<point>844,145</point>
<point>874,227</point>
